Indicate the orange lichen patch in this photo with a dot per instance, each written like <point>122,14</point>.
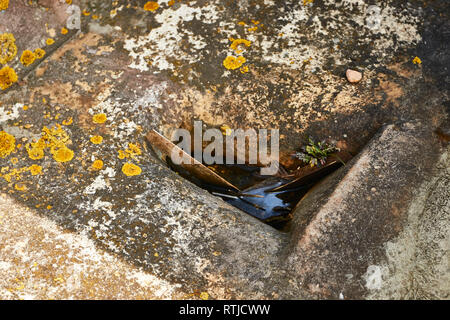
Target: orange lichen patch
<point>27,57</point>
<point>99,118</point>
<point>151,6</point>
<point>35,169</point>
<point>97,164</point>
<point>237,42</point>
<point>244,69</point>
<point>64,31</point>
<point>94,17</point>
<point>63,154</point>
<point>20,187</point>
<point>96,139</point>
<point>35,153</point>
<point>122,154</point>
<point>54,139</point>
<point>417,60</point>
<point>7,144</point>
<point>39,53</point>
<point>86,13</point>
<point>4,4</point>
<point>8,48</point>
<point>69,1</point>
<point>232,62</point>
<point>226,130</point>
<point>132,151</point>
<point>49,41</point>
<point>171,3</point>
<point>68,121</point>
<point>8,174</point>
<point>7,77</point>
<point>242,23</point>
<point>130,169</point>
<point>306,2</point>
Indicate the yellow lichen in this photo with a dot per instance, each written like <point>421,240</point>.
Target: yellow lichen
<point>151,6</point>
<point>8,48</point>
<point>69,1</point>
<point>244,69</point>
<point>35,169</point>
<point>63,154</point>
<point>94,16</point>
<point>64,31</point>
<point>7,144</point>
<point>133,150</point>
<point>54,139</point>
<point>204,295</point>
<point>232,62</point>
<point>122,154</point>
<point>252,29</point>
<point>237,42</point>
<point>39,53</point>
<point>7,77</point>
<point>4,4</point>
<point>97,164</point>
<point>306,2</point>
<point>171,3</point>
<point>49,41</point>
<point>417,60</point>
<point>130,169</point>
<point>20,187</point>
<point>27,58</point>
<point>226,130</point>
<point>96,139</point>
<point>99,118</point>
<point>35,153</point>
<point>68,121</point>
<point>86,13</point>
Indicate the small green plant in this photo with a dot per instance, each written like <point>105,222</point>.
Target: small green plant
<point>316,153</point>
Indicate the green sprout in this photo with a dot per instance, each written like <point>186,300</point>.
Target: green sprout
<point>316,153</point>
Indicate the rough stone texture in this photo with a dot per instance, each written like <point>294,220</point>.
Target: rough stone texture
<point>343,225</point>
<point>163,70</point>
<point>417,261</point>
<point>40,260</point>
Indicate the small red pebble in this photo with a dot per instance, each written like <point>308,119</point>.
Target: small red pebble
<point>353,76</point>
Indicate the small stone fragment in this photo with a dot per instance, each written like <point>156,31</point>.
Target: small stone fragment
<point>353,76</point>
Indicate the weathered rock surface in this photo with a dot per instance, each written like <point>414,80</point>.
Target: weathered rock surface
<point>346,234</point>
<point>162,70</point>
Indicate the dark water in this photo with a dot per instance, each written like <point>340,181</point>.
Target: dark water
<point>257,197</point>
